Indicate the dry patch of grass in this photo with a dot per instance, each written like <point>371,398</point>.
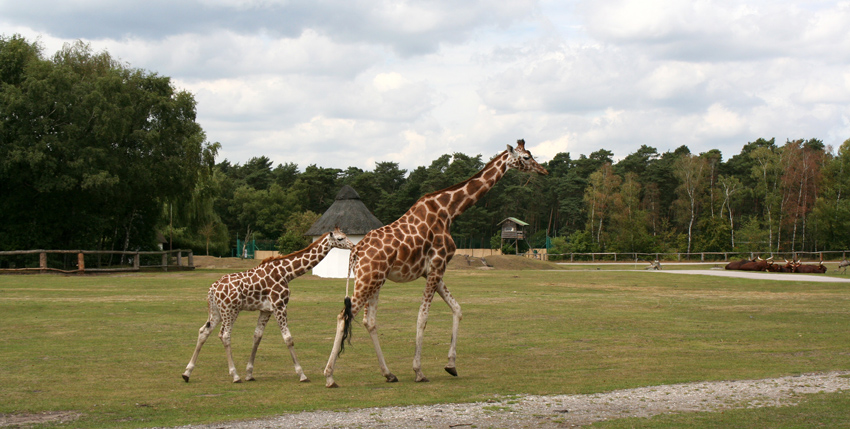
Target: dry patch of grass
<point>47,417</point>
<point>216,263</point>
<point>499,262</point>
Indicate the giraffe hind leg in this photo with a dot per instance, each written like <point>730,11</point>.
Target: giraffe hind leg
<point>345,316</point>
<point>457,315</point>
<point>258,336</point>
<point>370,323</point>
<point>226,328</point>
<point>421,322</point>
<point>203,334</point>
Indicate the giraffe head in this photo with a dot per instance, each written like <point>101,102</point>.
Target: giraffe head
<point>521,159</point>
<point>338,239</point>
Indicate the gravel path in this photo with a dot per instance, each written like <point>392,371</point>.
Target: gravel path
<point>568,410</point>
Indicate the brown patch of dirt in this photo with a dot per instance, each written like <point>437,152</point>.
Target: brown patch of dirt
<point>499,262</point>
<point>216,263</point>
<point>24,420</point>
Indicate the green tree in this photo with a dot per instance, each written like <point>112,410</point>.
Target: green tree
<point>729,189</point>
<point>285,174</point>
<point>91,149</point>
<point>296,225</point>
<point>832,208</point>
<point>765,172</point>
<point>800,181</point>
<point>690,170</point>
<point>629,220</point>
<point>317,187</point>
<point>600,197</point>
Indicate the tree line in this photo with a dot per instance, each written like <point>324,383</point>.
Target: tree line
<point>97,155</point>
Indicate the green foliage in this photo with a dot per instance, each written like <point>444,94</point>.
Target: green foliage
<point>559,245</point>
<point>296,225</point>
<point>752,236</point>
<point>496,241</point>
<point>716,236</point>
<point>99,155</point>
<point>91,149</point>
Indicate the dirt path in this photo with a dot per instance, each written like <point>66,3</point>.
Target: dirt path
<point>568,410</point>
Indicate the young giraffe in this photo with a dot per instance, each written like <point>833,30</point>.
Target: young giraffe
<point>264,288</point>
<point>418,244</point>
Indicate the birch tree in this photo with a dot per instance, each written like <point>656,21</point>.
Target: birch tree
<point>598,196</point>
<point>690,170</point>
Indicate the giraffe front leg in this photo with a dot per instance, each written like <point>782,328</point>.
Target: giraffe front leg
<point>369,321</point>
<point>456,318</point>
<point>421,322</point>
<point>258,336</point>
<point>280,315</point>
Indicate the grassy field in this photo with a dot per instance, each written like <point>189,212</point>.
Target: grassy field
<point>112,348</point>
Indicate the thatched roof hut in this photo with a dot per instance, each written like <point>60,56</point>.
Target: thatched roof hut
<point>350,214</point>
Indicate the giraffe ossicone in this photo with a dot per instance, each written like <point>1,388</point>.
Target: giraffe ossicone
<point>418,244</point>
<point>264,288</point>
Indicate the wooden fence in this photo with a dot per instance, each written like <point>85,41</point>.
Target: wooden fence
<point>833,255</point>
<point>127,261</point>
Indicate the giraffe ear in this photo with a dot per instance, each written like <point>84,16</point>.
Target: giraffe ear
<point>511,151</point>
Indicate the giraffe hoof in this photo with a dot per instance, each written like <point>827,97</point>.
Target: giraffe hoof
<point>392,379</point>
<point>422,380</point>
<point>250,378</point>
<point>451,371</point>
<point>238,380</point>
<point>306,380</point>
<point>332,386</point>
<point>185,378</point>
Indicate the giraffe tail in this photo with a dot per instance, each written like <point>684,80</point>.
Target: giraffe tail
<point>347,317</point>
<point>346,327</point>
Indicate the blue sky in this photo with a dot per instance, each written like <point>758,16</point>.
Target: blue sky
<point>351,83</point>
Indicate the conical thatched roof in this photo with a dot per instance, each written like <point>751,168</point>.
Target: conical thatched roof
<point>347,212</point>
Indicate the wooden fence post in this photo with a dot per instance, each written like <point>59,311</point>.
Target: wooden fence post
<point>164,261</point>
<point>191,258</point>
<point>81,262</point>
<point>136,261</point>
<point>179,258</point>
<point>42,262</point>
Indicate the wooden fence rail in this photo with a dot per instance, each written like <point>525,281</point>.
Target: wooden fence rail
<point>135,258</point>
<point>686,257</point>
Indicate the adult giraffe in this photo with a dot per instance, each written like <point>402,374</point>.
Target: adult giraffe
<point>418,244</point>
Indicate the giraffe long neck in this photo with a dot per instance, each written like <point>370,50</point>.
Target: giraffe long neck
<point>298,263</point>
<point>454,200</point>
